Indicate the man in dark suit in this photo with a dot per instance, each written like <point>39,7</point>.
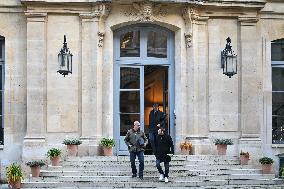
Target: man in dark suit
<point>157,120</point>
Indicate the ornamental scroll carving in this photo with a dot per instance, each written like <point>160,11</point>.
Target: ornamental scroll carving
<point>100,39</point>
<point>145,12</point>
<point>189,15</point>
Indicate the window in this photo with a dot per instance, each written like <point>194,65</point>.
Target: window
<point>277,57</point>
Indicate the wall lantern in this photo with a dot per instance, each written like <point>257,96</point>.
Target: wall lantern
<point>229,60</point>
<point>65,59</point>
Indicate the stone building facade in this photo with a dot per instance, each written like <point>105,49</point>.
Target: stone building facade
<point>40,107</point>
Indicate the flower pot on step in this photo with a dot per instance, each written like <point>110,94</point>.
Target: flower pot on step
<point>35,171</point>
<point>55,160</point>
<point>15,184</point>
<point>266,168</point>
<point>244,160</point>
<point>222,149</point>
<point>72,150</point>
<point>107,151</point>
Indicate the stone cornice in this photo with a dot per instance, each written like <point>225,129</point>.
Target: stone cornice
<point>36,16</point>
<point>248,21</point>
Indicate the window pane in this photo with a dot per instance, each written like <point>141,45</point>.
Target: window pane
<point>130,44</point>
<point>277,117</point>
<point>129,78</point>
<point>126,122</point>
<point>278,129</point>
<point>277,50</point>
<point>1,49</point>
<point>277,79</point>
<point>130,101</point>
<point>157,44</point>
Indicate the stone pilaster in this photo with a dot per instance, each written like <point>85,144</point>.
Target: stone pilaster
<point>92,49</point>
<point>251,87</point>
<point>36,85</point>
<point>196,39</point>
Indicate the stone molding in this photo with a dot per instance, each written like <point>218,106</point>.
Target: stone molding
<point>248,21</point>
<point>145,12</point>
<point>36,16</point>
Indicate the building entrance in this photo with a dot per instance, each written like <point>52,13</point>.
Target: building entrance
<point>143,75</point>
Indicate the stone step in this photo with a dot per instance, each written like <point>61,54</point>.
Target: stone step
<point>5,186</point>
<point>173,172</point>
<point>151,162</point>
<point>152,158</point>
<point>47,173</point>
<point>136,183</point>
<point>127,178</point>
<point>153,178</point>
<point>221,167</point>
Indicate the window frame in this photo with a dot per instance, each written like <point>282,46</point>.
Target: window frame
<point>275,64</point>
<point>2,62</point>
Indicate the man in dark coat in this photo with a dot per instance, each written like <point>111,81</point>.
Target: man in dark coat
<point>136,141</point>
<point>157,120</point>
<point>164,146</point>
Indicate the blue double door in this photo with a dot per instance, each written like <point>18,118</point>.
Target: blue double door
<point>143,75</point>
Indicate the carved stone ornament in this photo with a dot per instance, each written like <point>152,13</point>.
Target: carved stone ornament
<point>188,38</point>
<point>145,12</point>
<point>101,39</point>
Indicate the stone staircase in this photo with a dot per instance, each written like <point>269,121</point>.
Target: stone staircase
<point>197,171</point>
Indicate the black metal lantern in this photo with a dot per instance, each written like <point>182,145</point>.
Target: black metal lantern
<point>65,60</point>
<point>229,60</point>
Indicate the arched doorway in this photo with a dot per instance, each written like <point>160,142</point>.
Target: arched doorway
<point>143,75</point>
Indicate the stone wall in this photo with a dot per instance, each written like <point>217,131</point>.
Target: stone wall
<point>45,107</point>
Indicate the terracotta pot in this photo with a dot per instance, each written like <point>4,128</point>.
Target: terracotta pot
<point>107,151</point>
<point>222,149</point>
<point>35,171</point>
<point>16,184</point>
<point>72,150</point>
<point>55,161</point>
<point>266,168</point>
<point>184,151</point>
<point>244,160</point>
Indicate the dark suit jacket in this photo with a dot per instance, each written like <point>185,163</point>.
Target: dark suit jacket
<point>155,119</point>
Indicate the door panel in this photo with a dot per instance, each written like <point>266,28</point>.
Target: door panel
<point>129,101</point>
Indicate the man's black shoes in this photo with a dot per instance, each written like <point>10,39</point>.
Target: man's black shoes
<point>141,178</point>
<point>134,175</point>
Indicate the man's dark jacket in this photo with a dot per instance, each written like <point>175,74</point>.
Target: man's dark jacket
<point>164,146</point>
<point>155,119</point>
<point>132,140</point>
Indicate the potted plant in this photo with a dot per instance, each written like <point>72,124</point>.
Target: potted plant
<point>222,145</point>
<point>244,158</point>
<point>35,167</point>
<point>54,155</point>
<point>266,163</point>
<point>14,174</point>
<point>72,146</point>
<point>185,147</point>
<point>107,144</point>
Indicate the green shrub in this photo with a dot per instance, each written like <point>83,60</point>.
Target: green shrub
<point>281,173</point>
<point>35,163</point>
<point>53,152</point>
<point>223,142</point>
<point>14,173</point>
<point>107,142</point>
<point>266,160</point>
<point>74,141</point>
<point>246,154</point>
